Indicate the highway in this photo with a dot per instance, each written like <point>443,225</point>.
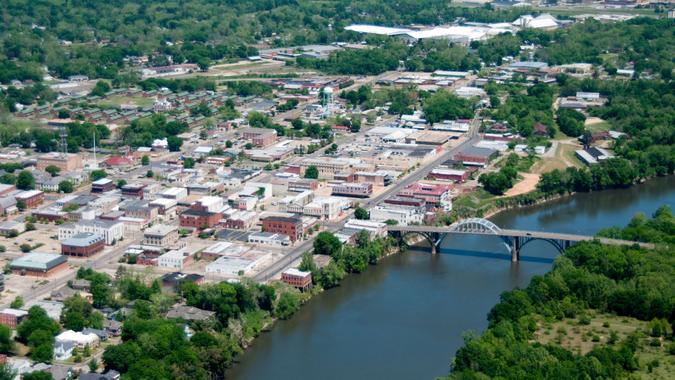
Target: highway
<point>420,173</point>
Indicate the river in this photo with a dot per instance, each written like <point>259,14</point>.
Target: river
<point>404,318</point>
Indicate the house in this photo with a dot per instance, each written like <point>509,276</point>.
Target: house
<point>540,129</point>
<point>101,334</point>
<point>63,350</point>
<point>67,341</point>
<point>189,313</point>
<point>113,327</point>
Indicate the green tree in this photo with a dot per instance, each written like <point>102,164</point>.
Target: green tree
<point>149,174</point>
<point>97,174</point>
<point>17,303</point>
<point>331,275</point>
<point>25,180</point>
<point>145,160</point>
<point>53,170</point>
<point>189,163</point>
<point>66,186</point>
<point>312,172</point>
<point>77,314</point>
<point>326,243</point>
<point>287,305</point>
<point>174,143</point>
<point>6,341</point>
<point>101,88</point>
<point>361,213</point>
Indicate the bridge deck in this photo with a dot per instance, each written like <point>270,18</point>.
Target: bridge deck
<point>519,233</point>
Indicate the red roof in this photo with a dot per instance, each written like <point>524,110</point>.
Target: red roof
<point>118,161</point>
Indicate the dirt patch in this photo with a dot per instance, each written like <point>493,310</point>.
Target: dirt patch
<point>592,120</point>
<point>527,184</point>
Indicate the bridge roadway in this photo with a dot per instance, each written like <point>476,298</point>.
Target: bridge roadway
<point>421,173</point>
<point>515,238</point>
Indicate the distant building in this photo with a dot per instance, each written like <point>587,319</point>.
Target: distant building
<point>199,219</point>
<point>110,230</point>
<point>189,313</point>
<point>359,190</point>
<point>12,317</point>
<point>102,185</point>
<point>161,235</point>
<point>290,226</point>
<point>67,163</point>
<point>297,278</point>
<point>269,238</point>
<point>38,264</point>
<point>31,198</point>
<point>259,136</point>
<point>83,244</point>
<point>175,279</point>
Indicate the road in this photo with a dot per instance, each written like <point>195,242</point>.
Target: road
<point>420,173</point>
<point>97,262</point>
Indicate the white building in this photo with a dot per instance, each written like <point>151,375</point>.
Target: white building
<point>268,238</point>
<point>229,267</point>
<point>374,228</point>
<point>175,259</point>
<point>110,230</point>
<point>65,342</point>
<point>328,208</point>
<point>176,193</point>
<point>401,214</point>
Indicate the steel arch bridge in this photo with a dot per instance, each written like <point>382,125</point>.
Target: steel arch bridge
<point>515,240</point>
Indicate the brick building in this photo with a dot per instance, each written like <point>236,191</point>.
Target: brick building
<point>83,244</point>
<point>12,317</point>
<point>38,264</point>
<point>199,218</point>
<point>67,163</point>
<point>297,278</point>
<point>31,198</point>
<point>290,226</point>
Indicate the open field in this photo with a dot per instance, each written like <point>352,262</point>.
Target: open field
<point>527,184</point>
<point>562,158</point>
<point>118,101</point>
<point>581,337</point>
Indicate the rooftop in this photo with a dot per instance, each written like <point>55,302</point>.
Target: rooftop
<point>38,261</point>
<point>82,239</point>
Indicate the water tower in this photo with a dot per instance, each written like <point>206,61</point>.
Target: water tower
<point>328,101</point>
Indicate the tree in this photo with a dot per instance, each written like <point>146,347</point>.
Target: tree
<point>145,160</point>
<point>149,174</point>
<point>361,214</point>
<point>7,372</point>
<point>288,304</point>
<point>21,205</point>
<point>25,180</point>
<point>97,174</point>
<point>331,275</point>
<point>228,144</point>
<point>100,89</point>
<point>445,106</point>
<point>53,170</point>
<point>66,186</point>
<point>77,314</point>
<point>25,248</point>
<point>6,341</point>
<point>312,172</point>
<point>7,179</point>
<point>326,243</point>
<point>174,143</point>
<point>189,163</point>
<point>17,303</point>
<point>37,375</point>
<point>121,183</point>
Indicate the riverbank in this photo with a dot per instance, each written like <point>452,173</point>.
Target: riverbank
<point>355,330</point>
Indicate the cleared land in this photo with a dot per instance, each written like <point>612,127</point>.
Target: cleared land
<point>581,335</point>
<point>527,184</point>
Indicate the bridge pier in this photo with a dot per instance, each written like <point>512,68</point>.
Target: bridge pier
<point>515,249</point>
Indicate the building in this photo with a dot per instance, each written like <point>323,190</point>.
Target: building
<point>301,184</point>
<point>328,208</point>
<point>454,175</point>
<point>199,219</point>
<point>110,230</point>
<point>102,185</point>
<point>259,136</point>
<point>291,226</point>
<point>377,178</point>
<point>161,235</point>
<point>175,279</point>
<point>359,190</point>
<point>189,313</point>
<point>38,264</point>
<point>66,162</point>
<point>327,167</point>
<point>592,155</point>
<point>226,266</point>
<point>175,259</point>
<point>435,194</point>
<point>133,190</point>
<point>269,238</point>
<point>12,317</point>
<point>297,278</point>
<point>83,244</point>
<point>31,198</point>
<point>68,340</point>
<point>475,156</point>
<point>403,215</point>
<point>11,228</point>
<point>176,193</point>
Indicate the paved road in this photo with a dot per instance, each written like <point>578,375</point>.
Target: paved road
<point>421,173</point>
<point>97,262</point>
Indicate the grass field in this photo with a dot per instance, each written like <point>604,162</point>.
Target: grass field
<point>561,159</point>
<point>581,335</point>
<point>117,101</point>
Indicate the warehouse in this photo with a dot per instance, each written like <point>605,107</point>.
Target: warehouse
<point>38,264</point>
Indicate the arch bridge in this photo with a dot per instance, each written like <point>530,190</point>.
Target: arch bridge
<point>514,239</point>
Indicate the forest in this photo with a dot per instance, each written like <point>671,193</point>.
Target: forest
<point>588,279</point>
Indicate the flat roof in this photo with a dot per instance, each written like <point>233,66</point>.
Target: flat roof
<point>374,29</point>
<point>82,239</point>
<point>160,230</point>
<point>38,261</point>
